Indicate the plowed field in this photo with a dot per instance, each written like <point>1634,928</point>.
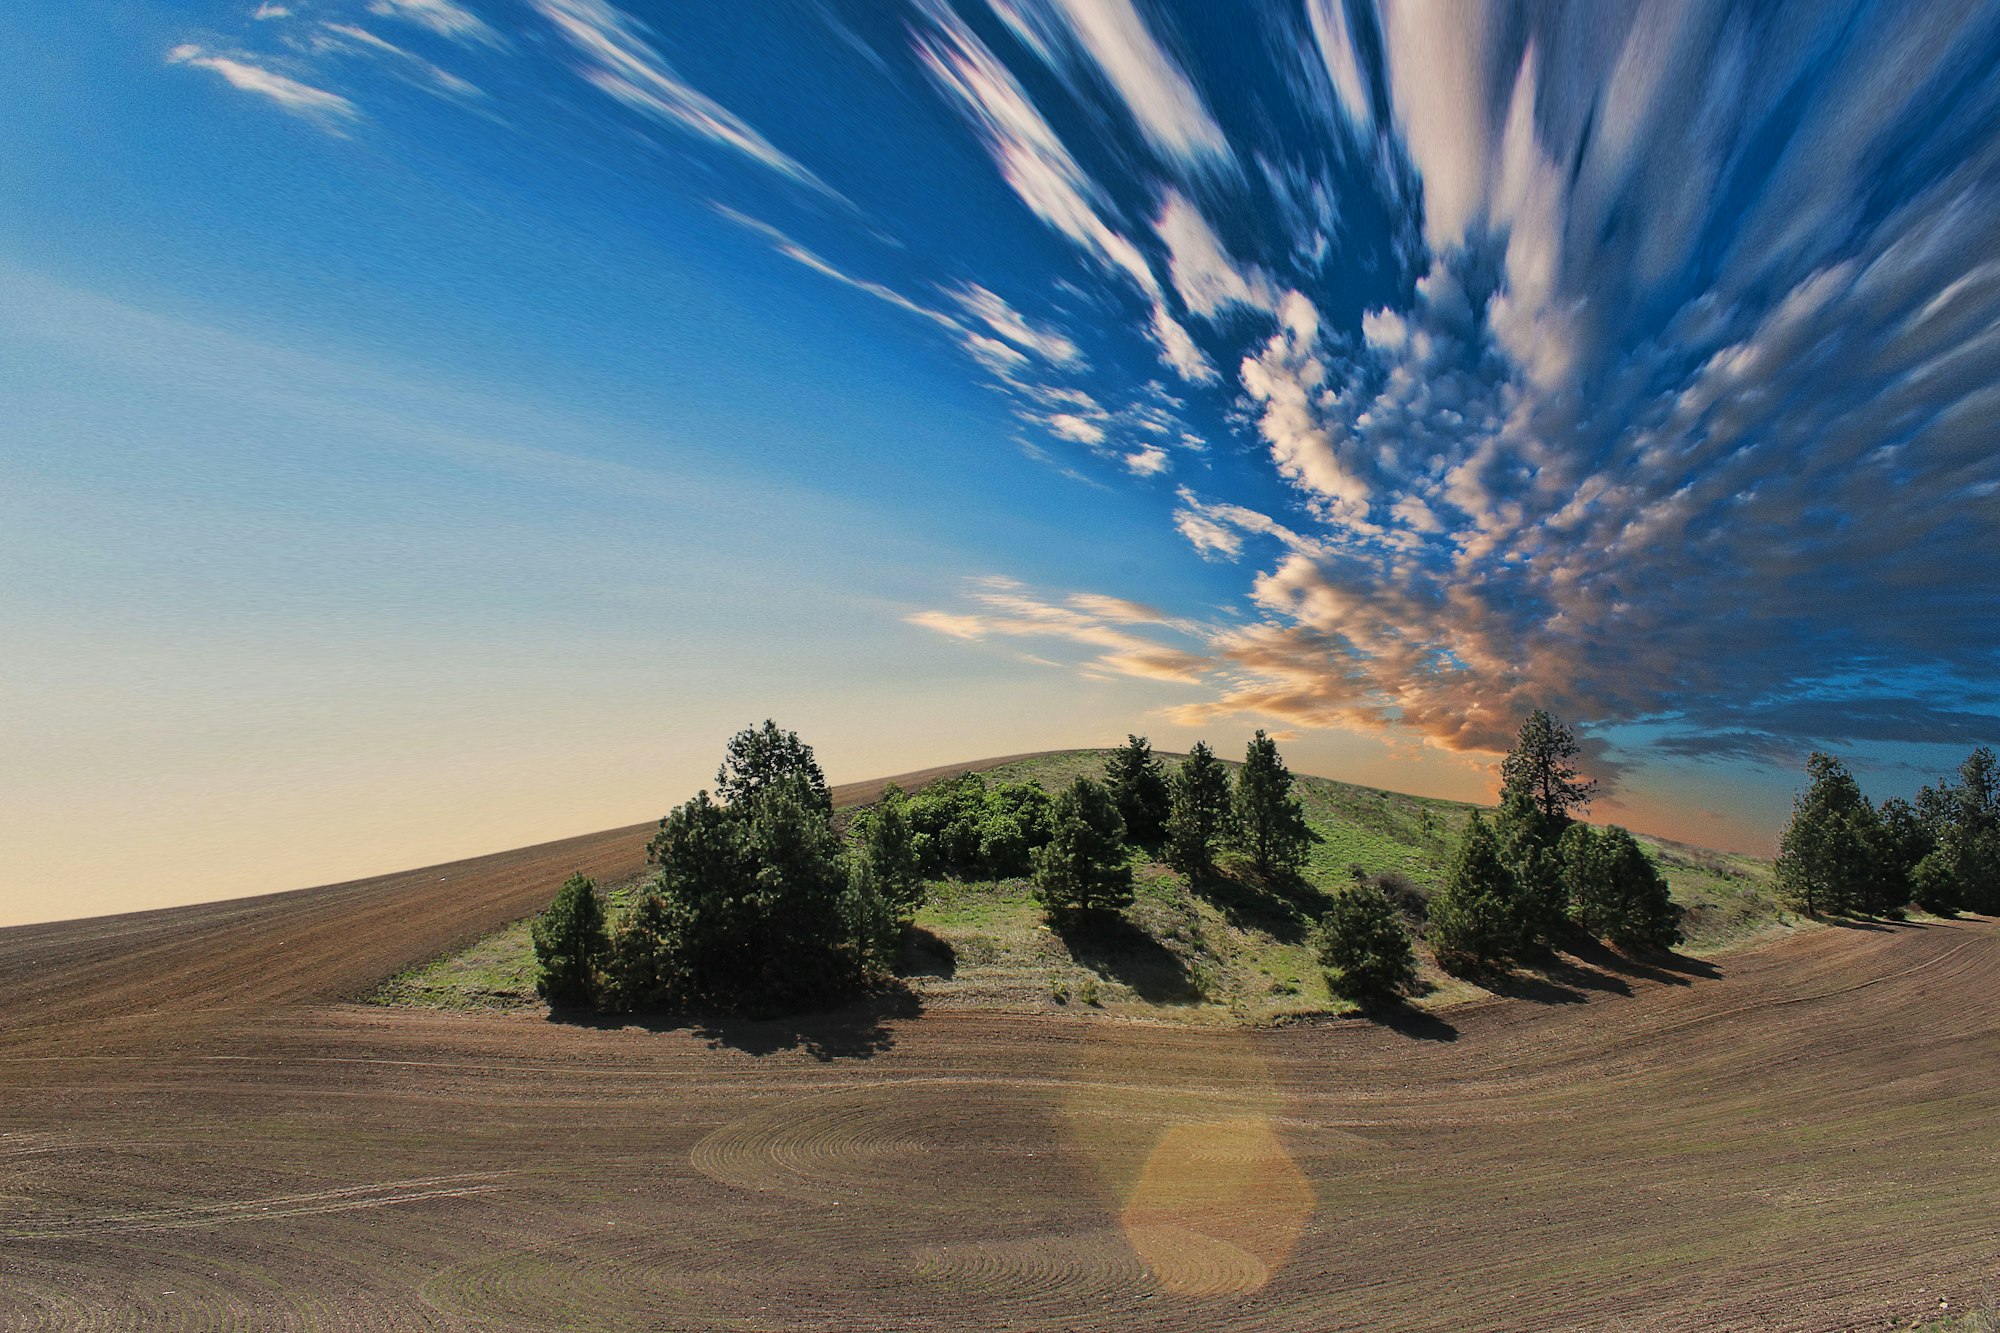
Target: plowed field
<point>199,1129</point>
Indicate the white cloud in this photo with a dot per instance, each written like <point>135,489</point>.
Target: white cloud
<point>1335,40</point>
<point>1152,86</point>
<point>1202,272</point>
<point>271,11</point>
<point>1043,174</point>
<point>624,65</point>
<point>440,16</point>
<point>1072,427</point>
<point>298,98</point>
<point>1004,320</point>
<point>1147,461</point>
<point>347,38</point>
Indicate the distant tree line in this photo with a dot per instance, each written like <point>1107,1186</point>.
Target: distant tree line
<point>1840,854</point>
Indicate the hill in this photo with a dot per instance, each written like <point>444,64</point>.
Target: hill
<point>1236,951</point>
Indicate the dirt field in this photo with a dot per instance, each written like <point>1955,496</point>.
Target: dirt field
<point>199,1129</point>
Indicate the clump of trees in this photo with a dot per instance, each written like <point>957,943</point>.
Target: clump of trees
<point>962,828</point>
<point>757,905</point>
<point>1840,854</point>
<point>1517,885</point>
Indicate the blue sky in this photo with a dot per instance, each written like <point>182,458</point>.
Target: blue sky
<point>432,425</point>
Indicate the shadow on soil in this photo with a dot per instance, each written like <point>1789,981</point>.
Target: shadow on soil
<point>1119,951</point>
<point>1401,1017</point>
<point>855,1031</point>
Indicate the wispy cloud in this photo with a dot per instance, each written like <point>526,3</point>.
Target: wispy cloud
<point>351,40</point>
<point>1044,174</point>
<point>329,110</point>
<point>620,61</point>
<point>1150,84</point>
<point>440,16</point>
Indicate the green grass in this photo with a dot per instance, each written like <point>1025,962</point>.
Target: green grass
<point>1231,952</point>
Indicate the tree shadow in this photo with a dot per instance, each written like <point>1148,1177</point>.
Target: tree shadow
<point>1400,1016</point>
<point>1117,950</point>
<point>1527,986</point>
<point>1668,969</point>
<point>1284,908</point>
<point>921,953</point>
<point>856,1030</point>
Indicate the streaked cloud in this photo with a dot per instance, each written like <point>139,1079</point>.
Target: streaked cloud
<point>443,17</point>
<point>330,110</point>
<point>621,62</point>
<point>1150,84</point>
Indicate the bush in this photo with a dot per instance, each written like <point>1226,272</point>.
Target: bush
<point>1082,868</point>
<point>570,944</point>
<point>1362,946</point>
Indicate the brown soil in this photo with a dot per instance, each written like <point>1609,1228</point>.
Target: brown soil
<point>200,1129</point>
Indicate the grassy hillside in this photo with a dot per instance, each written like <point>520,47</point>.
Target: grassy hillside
<point>1233,952</point>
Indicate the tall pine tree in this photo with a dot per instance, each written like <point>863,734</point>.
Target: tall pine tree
<point>1200,814</point>
<point>1270,823</point>
<point>1138,784</point>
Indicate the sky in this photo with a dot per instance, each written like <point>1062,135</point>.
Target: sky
<point>433,426</point>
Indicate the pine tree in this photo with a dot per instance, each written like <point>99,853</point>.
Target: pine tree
<point>1968,833</point>
<point>570,944</point>
<point>1362,946</point>
<point>1082,868</point>
<point>1200,817</point>
<point>1138,784</point>
<point>1531,844</point>
<point>759,758</point>
<point>1542,767</point>
<point>1475,919</point>
<point>1826,851</point>
<point>1638,912</point>
<point>1270,823</point>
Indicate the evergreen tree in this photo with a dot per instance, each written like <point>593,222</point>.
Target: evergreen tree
<point>1586,880</point>
<point>1362,946</point>
<point>1270,823</point>
<point>570,944</point>
<point>759,758</point>
<point>1826,853</point>
<point>1637,912</point>
<point>1903,840</point>
<point>1531,844</point>
<point>801,948</point>
<point>1200,812</point>
<point>889,854</point>
<point>1138,784</point>
<point>1968,833</point>
<point>1475,919</point>
<point>645,969</point>
<point>1082,868</point>
<point>1542,767</point>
